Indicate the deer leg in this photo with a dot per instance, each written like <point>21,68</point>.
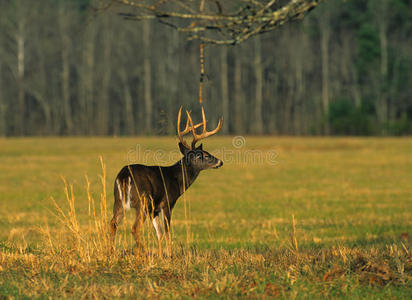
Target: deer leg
<point>158,224</point>
<point>135,232</point>
<point>114,224</point>
<point>166,216</point>
<point>136,228</point>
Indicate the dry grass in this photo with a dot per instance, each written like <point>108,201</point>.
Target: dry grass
<point>330,219</point>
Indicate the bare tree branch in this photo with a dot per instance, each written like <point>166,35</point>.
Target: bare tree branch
<point>218,22</point>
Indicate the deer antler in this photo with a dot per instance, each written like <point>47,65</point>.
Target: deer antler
<point>187,129</point>
<point>205,133</point>
<point>190,127</point>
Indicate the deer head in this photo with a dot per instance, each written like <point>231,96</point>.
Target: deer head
<point>194,156</point>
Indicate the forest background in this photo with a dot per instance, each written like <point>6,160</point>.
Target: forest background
<point>66,69</point>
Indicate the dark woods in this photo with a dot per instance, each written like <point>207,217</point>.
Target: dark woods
<point>67,70</point>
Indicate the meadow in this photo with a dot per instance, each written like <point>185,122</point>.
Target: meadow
<point>284,217</point>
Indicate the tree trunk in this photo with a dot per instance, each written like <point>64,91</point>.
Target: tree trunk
<point>103,106</point>
<point>87,83</point>
<point>65,74</point>
<point>238,95</point>
<point>224,88</point>
<point>288,103</point>
<point>3,123</point>
<point>258,121</point>
<point>128,105</point>
<point>325,37</point>
<point>40,89</point>
<point>20,40</point>
<point>383,104</point>
<point>173,60</point>
<point>349,73</point>
<point>299,86</point>
<point>147,77</point>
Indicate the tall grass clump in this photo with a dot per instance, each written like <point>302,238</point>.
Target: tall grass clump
<point>90,241</point>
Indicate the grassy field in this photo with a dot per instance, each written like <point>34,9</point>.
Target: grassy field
<point>284,217</point>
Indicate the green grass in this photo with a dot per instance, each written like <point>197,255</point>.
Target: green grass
<point>351,199</point>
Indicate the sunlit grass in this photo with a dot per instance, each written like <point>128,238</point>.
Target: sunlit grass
<point>324,218</point>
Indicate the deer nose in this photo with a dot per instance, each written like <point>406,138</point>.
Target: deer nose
<point>219,164</point>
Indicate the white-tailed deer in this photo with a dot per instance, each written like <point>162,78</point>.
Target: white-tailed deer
<point>153,190</point>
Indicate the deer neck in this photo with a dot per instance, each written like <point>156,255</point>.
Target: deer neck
<point>186,175</point>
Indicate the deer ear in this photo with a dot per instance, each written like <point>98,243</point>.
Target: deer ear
<point>183,149</point>
<point>200,147</point>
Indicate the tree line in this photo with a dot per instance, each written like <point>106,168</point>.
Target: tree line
<point>67,69</point>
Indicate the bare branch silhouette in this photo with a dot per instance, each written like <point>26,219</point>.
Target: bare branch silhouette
<point>218,22</point>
